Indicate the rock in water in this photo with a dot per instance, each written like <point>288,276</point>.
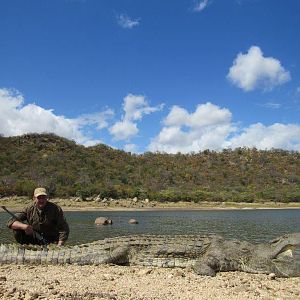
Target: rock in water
<point>133,221</point>
<point>103,221</point>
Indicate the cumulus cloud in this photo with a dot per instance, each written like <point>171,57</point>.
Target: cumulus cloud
<point>211,127</point>
<point>204,115</point>
<point>281,136</point>
<point>126,22</point>
<point>206,128</point>
<point>252,71</point>
<point>130,148</point>
<point>16,118</point>
<point>124,130</point>
<point>93,142</point>
<point>135,107</point>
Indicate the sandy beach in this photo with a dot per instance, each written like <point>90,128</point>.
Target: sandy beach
<point>138,283</point>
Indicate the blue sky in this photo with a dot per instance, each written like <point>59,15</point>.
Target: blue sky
<point>171,76</point>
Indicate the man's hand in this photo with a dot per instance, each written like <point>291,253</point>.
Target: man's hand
<point>28,230</point>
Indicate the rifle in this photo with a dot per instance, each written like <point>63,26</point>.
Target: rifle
<point>36,235</point>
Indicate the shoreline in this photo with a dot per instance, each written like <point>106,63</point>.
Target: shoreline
<point>16,203</point>
<point>74,209</point>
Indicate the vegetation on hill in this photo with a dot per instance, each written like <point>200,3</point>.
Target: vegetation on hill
<point>68,169</point>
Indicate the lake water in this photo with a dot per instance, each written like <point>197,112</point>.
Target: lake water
<point>251,225</point>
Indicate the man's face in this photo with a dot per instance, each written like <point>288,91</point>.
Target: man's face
<point>41,201</point>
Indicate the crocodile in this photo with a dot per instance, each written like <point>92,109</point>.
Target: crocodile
<point>205,254</point>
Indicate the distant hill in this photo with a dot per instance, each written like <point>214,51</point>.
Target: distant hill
<point>68,169</point>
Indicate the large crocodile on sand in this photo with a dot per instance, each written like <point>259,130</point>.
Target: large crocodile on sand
<point>205,254</point>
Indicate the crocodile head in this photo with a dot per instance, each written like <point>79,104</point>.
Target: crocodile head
<point>277,257</point>
<point>285,260</point>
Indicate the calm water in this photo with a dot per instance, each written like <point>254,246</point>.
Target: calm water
<point>251,225</point>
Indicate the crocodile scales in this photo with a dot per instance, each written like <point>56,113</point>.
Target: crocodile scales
<point>205,254</point>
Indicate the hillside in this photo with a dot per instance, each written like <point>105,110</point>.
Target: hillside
<point>68,169</point>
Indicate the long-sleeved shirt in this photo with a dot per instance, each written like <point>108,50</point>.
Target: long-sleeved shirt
<point>49,221</point>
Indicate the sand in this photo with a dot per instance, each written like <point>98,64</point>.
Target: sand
<point>138,283</point>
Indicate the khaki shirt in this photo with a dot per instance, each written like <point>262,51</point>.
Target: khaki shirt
<point>49,221</point>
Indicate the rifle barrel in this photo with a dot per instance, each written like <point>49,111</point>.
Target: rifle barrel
<point>12,214</point>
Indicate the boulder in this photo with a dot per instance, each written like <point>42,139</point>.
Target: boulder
<point>103,221</point>
<point>272,276</point>
<point>133,221</point>
<point>98,198</point>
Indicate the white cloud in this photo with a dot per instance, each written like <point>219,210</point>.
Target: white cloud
<point>200,5</point>
<point>99,119</point>
<point>204,115</point>
<point>206,128</point>
<point>283,136</point>
<point>252,70</point>
<point>135,107</point>
<point>178,116</point>
<point>211,127</point>
<point>298,90</point>
<point>16,118</point>
<point>126,22</point>
<point>89,143</point>
<point>123,130</point>
<point>130,148</point>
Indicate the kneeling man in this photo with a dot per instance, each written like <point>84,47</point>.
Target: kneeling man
<point>43,218</point>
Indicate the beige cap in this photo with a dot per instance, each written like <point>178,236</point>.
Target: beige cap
<point>39,192</point>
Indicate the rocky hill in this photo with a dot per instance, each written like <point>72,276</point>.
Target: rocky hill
<point>68,169</point>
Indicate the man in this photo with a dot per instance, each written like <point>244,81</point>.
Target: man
<point>43,217</point>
